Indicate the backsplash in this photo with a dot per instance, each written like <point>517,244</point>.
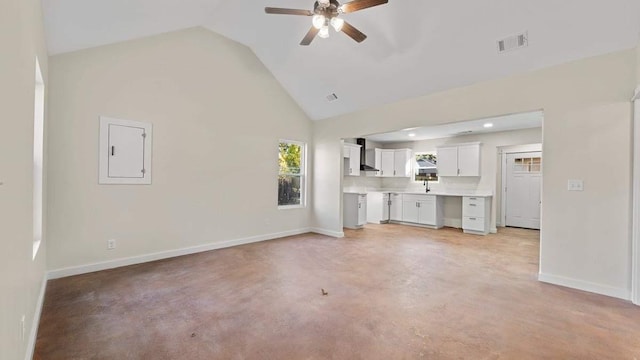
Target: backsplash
<point>372,183</point>
<point>361,183</point>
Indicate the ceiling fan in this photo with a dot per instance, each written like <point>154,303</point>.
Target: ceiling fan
<point>327,12</point>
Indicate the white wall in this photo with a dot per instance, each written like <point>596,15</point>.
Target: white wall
<point>21,277</point>
<point>217,116</point>
<point>490,168</point>
<point>585,238</point>
<point>638,65</point>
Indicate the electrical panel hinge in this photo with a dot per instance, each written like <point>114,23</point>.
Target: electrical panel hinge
<point>144,135</point>
<point>143,171</point>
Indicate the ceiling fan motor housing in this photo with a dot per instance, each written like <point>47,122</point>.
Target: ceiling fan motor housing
<point>328,11</point>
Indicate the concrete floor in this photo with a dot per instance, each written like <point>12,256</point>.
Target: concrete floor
<point>394,292</point>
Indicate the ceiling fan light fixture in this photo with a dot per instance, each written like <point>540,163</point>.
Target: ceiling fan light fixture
<point>323,3</point>
<point>324,32</point>
<point>318,21</point>
<point>337,23</point>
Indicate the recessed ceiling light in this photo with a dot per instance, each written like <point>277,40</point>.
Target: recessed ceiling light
<point>412,135</point>
<point>488,125</point>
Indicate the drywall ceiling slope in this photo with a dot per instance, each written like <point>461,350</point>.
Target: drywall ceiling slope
<point>415,47</point>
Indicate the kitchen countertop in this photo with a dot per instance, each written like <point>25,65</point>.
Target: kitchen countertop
<point>461,192</point>
<point>355,192</point>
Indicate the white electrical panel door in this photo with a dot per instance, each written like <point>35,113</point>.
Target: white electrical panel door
<point>125,152</point>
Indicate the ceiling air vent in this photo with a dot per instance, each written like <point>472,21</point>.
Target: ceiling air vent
<point>513,42</point>
<point>332,97</point>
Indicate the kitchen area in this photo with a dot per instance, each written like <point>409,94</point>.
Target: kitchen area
<point>415,180</point>
<point>407,205</point>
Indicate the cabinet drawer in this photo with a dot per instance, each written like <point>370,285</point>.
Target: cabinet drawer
<point>473,206</point>
<point>473,223</point>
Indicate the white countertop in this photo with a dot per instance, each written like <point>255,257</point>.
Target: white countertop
<point>453,192</point>
<point>355,193</point>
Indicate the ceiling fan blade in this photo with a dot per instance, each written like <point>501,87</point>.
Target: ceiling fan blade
<point>361,4</point>
<point>353,33</point>
<point>310,36</point>
<point>283,11</point>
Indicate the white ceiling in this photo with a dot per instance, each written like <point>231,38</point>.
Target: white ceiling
<point>415,47</point>
<point>499,123</point>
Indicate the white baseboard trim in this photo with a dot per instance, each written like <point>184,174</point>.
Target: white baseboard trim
<point>105,265</point>
<point>607,290</point>
<point>33,334</point>
<point>335,234</point>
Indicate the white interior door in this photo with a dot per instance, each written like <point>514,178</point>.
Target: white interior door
<point>524,176</point>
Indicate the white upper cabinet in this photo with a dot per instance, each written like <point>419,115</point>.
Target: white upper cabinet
<point>402,163</point>
<point>469,160</point>
<point>459,160</point>
<point>351,154</point>
<point>393,163</point>
<point>384,162</point>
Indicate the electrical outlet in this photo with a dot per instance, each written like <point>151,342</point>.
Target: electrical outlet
<point>23,328</point>
<point>111,244</point>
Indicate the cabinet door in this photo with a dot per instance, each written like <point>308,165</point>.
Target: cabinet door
<point>362,209</point>
<point>354,160</point>
<point>447,161</point>
<point>427,212</point>
<point>410,211</point>
<point>386,163</point>
<point>402,163</point>
<point>385,207</point>
<point>395,209</point>
<point>468,160</point>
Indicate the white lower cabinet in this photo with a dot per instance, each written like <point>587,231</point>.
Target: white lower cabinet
<point>354,210</point>
<point>377,207</point>
<point>423,210</point>
<point>476,215</point>
<point>395,207</point>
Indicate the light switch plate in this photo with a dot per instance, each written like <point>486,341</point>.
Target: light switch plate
<point>575,185</point>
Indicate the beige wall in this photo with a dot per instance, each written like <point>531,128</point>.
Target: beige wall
<point>585,237</point>
<point>638,64</point>
<point>490,168</point>
<point>21,40</point>
<point>217,116</point>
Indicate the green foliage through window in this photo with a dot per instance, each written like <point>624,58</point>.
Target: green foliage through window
<point>290,174</point>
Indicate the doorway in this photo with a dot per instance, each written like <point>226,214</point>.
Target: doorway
<point>522,180</point>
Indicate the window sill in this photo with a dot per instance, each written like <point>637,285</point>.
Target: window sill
<point>36,247</point>
<point>290,207</point>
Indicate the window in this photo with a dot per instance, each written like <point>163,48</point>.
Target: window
<point>527,165</point>
<point>291,174</point>
<point>38,158</point>
<point>425,167</point>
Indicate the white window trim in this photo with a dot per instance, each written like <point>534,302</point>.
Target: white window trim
<point>38,159</point>
<point>303,176</point>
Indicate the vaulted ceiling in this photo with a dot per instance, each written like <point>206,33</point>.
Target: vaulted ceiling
<point>415,47</point>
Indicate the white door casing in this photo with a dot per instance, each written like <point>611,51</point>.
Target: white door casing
<point>522,191</point>
<point>635,261</point>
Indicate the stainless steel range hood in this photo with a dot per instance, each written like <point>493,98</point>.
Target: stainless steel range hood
<point>363,159</point>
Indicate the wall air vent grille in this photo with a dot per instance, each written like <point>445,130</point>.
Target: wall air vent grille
<point>332,97</point>
<point>513,42</point>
